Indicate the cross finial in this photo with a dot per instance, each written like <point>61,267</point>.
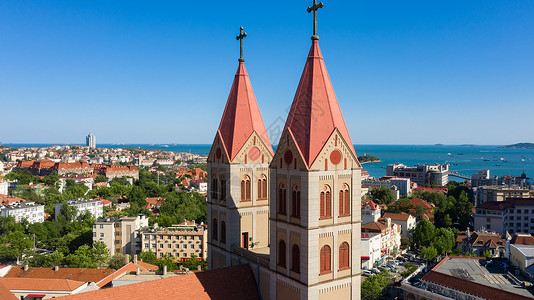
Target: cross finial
<point>314,8</point>
<point>240,37</point>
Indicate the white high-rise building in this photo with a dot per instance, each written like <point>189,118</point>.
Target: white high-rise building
<point>90,141</point>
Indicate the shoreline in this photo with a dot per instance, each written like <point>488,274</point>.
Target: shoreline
<point>370,162</point>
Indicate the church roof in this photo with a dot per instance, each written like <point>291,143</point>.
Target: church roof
<point>315,112</point>
<point>241,115</point>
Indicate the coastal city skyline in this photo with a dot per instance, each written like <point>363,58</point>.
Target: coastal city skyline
<point>440,70</point>
<point>390,192</point>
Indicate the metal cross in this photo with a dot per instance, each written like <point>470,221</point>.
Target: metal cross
<point>314,8</point>
<point>240,37</point>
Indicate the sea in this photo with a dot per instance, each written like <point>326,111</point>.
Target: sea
<point>466,160</point>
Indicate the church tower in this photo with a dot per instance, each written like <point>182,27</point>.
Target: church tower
<point>315,194</point>
<point>238,175</point>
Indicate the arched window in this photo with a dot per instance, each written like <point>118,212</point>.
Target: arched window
<point>245,189</point>
<point>214,187</point>
<point>223,232</point>
<point>325,203</point>
<point>295,259</point>
<point>282,199</point>
<point>282,253</point>
<point>223,188</point>
<point>344,201</point>
<point>344,256</point>
<point>295,202</point>
<point>214,233</point>
<point>325,260</point>
<point>262,187</point>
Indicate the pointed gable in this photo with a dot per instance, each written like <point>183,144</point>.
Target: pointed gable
<point>315,112</point>
<point>241,115</point>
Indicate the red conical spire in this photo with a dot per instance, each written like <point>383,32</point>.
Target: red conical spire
<point>315,112</point>
<point>241,115</point>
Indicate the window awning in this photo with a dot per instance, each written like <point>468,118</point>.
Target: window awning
<point>36,295</point>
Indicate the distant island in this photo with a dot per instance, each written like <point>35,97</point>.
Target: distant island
<point>368,159</point>
<point>519,146</point>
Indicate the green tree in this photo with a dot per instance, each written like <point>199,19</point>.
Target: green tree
<point>117,261</point>
<point>86,256</point>
<point>22,176</point>
<point>429,253</point>
<point>148,257</point>
<point>192,263</point>
<point>166,260</point>
<point>51,179</point>
<point>405,243</point>
<point>444,240</point>
<point>14,244</point>
<point>137,195</point>
<point>374,286</point>
<point>67,213</point>
<point>424,233</point>
<point>487,254</point>
<point>46,260</point>
<point>101,178</point>
<point>382,195</point>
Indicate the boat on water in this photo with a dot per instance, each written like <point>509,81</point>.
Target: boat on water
<point>164,146</point>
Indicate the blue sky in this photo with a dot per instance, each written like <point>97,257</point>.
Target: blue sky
<point>404,72</point>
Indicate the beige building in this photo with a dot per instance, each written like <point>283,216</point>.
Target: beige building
<point>119,234</point>
<point>390,235</point>
<point>293,216</point>
<point>406,221</point>
<point>179,241</point>
<point>500,193</point>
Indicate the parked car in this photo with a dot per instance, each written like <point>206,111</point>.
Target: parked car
<point>375,270</point>
<point>367,273</point>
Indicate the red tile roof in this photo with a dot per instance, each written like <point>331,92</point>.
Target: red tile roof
<point>374,227</point>
<point>40,284</point>
<point>130,267</point>
<point>369,203</point>
<point>4,199</point>
<point>5,293</point>
<point>76,274</point>
<point>397,216</point>
<point>235,282</point>
<point>522,240</point>
<point>426,205</point>
<point>241,116</point>
<point>315,112</point>
<point>149,267</point>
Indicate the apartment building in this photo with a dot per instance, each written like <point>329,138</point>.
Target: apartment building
<point>179,241</point>
<point>371,252</point>
<point>500,193</point>
<point>437,174</point>
<point>95,207</point>
<point>4,187</point>
<point>403,185</point>
<point>33,213</point>
<point>78,179</point>
<point>370,212</point>
<point>406,221</point>
<point>119,234</point>
<point>390,235</point>
<point>513,216</point>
